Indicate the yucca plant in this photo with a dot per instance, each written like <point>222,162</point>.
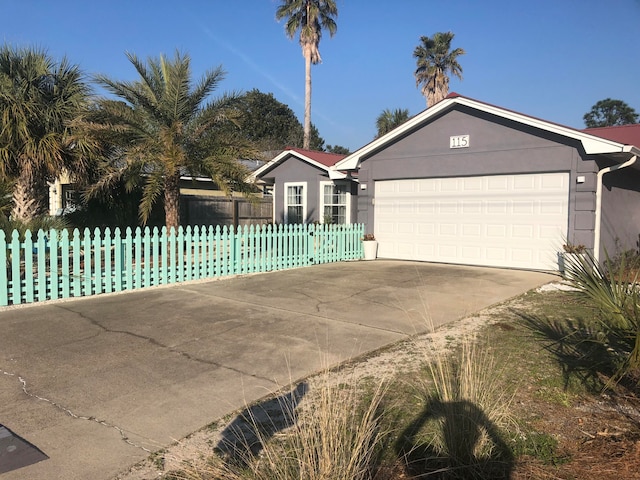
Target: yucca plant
<point>613,288</point>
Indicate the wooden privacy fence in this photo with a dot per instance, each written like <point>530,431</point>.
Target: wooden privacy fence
<point>200,209</point>
<point>60,264</point>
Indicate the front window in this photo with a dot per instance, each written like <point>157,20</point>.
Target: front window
<point>295,203</point>
<point>335,203</point>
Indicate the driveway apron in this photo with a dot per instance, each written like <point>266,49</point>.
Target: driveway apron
<point>97,384</point>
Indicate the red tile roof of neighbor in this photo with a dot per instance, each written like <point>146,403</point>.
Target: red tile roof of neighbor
<point>326,159</point>
<point>627,134</point>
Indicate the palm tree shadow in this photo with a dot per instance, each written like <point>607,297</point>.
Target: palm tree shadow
<point>581,350</point>
<point>462,425</point>
<point>245,436</point>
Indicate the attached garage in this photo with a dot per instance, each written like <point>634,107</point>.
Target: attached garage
<point>465,182</point>
<point>501,220</point>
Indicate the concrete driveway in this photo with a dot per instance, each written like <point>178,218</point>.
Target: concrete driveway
<point>98,383</point>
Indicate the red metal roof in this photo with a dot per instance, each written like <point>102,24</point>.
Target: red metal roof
<point>627,134</point>
<point>326,159</point>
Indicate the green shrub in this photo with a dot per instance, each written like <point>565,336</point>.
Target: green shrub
<point>614,290</point>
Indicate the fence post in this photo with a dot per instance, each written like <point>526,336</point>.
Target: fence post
<point>146,257</point>
<point>65,257</point>
<point>76,270</point>
<point>97,260</point>
<point>16,277</point>
<point>234,214</point>
<point>41,251</point>
<point>4,284</point>
<point>88,290</point>
<point>173,261</point>
<point>164,256</point>
<point>155,255</point>
<point>118,261</point>
<point>108,269</point>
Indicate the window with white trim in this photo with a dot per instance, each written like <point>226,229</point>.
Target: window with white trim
<point>335,202</point>
<point>295,202</point>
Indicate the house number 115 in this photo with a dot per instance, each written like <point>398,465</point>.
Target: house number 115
<point>459,141</point>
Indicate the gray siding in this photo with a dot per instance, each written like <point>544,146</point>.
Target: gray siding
<point>295,170</point>
<point>497,146</point>
<point>620,211</point>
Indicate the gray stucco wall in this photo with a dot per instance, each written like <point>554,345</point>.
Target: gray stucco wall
<point>295,170</point>
<point>620,211</point>
<point>497,146</point>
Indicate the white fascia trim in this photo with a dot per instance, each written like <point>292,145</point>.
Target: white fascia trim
<point>281,157</point>
<point>336,175</point>
<point>590,143</point>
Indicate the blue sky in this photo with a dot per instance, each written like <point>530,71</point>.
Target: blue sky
<point>551,59</point>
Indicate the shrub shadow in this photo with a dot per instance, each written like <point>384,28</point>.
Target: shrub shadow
<point>462,424</point>
<point>245,436</point>
<point>581,349</point>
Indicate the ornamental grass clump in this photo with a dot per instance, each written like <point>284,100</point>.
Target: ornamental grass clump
<point>465,414</point>
<point>335,434</point>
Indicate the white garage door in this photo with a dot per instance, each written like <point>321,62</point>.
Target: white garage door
<point>514,221</point>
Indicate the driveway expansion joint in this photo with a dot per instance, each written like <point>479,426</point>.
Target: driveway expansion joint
<point>73,415</point>
<point>313,315</point>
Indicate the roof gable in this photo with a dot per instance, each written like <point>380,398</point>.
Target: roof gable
<point>321,160</point>
<point>592,144</point>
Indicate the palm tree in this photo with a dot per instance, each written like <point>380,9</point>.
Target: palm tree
<point>310,17</point>
<point>388,120</point>
<point>436,61</point>
<point>162,127</point>
<point>40,104</point>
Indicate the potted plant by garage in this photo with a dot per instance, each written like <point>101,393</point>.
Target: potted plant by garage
<point>572,254</point>
<point>370,246</point>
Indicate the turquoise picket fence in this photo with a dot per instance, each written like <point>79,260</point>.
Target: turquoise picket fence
<point>63,264</point>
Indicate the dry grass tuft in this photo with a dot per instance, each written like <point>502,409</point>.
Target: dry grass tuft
<point>335,433</point>
<point>459,432</point>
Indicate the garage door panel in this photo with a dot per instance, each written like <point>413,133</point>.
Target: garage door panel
<point>426,229</point>
<point>471,207</point>
<point>496,231</point>
<point>497,255</point>
<point>523,231</point>
<point>447,251</point>
<point>470,253</point>
<point>524,182</point>
<point>471,230</point>
<point>508,221</point>
<point>406,228</point>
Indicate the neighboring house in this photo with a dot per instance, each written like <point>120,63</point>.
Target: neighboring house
<point>306,189</point>
<point>64,196</point>
<point>470,183</point>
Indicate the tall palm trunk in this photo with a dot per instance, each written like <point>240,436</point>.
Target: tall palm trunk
<point>172,201</point>
<point>306,141</point>
<point>25,204</point>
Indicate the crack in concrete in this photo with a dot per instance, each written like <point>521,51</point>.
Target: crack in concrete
<point>154,342</point>
<point>73,415</point>
<point>310,314</point>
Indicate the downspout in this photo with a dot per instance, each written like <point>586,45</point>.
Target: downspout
<point>598,219</point>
